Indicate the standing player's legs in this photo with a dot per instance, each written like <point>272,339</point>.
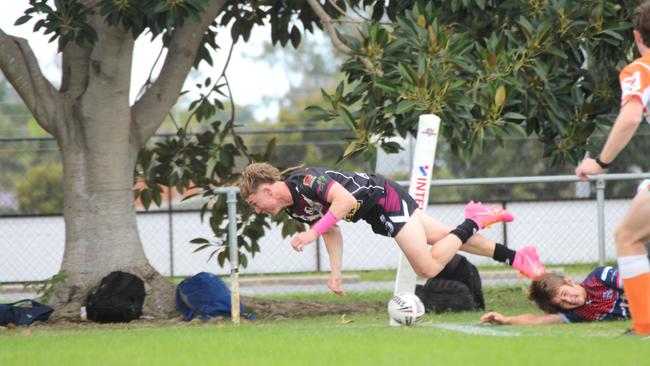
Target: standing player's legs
<point>631,235</point>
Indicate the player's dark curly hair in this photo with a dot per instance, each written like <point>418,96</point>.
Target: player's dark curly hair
<point>543,289</point>
<point>641,21</point>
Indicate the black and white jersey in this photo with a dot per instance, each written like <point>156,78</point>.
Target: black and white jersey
<point>309,188</point>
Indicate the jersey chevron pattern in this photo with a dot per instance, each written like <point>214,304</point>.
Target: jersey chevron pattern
<point>604,298</point>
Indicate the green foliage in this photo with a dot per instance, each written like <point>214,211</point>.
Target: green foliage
<point>19,155</point>
<point>315,144</point>
<point>283,16</point>
<point>155,15</point>
<point>187,160</point>
<point>205,161</point>
<point>45,289</point>
<point>210,158</point>
<point>41,190</point>
<point>66,21</point>
<point>489,69</point>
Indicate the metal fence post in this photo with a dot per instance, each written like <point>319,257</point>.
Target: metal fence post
<point>234,254</point>
<point>600,202</point>
<point>319,240</point>
<point>170,222</point>
<point>504,204</point>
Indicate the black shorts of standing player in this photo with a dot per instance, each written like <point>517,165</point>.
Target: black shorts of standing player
<point>392,211</point>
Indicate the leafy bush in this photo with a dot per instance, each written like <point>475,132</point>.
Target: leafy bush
<point>41,190</point>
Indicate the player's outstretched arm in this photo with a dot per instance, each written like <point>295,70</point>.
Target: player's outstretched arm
<point>496,318</point>
<point>341,202</point>
<point>334,245</point>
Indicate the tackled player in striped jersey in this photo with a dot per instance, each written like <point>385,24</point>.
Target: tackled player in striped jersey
<point>598,297</point>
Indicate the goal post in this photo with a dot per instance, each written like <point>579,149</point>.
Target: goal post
<point>421,172</point>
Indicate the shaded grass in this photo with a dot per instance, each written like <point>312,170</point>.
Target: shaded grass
<point>389,274</point>
<point>496,298</point>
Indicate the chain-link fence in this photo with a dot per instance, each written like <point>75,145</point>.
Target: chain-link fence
<point>564,228</point>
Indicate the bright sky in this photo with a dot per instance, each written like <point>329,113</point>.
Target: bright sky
<point>251,81</point>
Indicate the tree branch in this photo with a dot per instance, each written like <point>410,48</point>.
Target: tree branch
<point>338,8</point>
<point>74,76</point>
<point>328,23</point>
<point>150,110</point>
<point>19,65</point>
<point>356,12</point>
<point>329,26</point>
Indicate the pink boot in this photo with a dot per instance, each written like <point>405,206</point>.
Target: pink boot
<point>484,216</point>
<point>527,262</point>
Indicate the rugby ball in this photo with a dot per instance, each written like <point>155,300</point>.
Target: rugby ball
<point>405,308</point>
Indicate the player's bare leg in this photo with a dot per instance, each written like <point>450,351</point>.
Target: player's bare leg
<point>631,236</point>
<point>421,230</point>
<point>436,230</point>
<point>412,240</point>
<point>633,232</point>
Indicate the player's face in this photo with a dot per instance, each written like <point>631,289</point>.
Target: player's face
<point>570,296</point>
<point>263,201</point>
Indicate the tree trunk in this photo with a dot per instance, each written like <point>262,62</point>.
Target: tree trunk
<point>99,150</point>
<point>100,221</point>
<point>99,135</point>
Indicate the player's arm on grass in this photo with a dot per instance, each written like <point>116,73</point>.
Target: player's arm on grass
<point>334,245</point>
<point>496,318</point>
<point>341,202</point>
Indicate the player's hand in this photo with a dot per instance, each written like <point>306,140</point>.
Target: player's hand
<point>493,318</point>
<point>299,241</point>
<point>624,303</point>
<point>588,167</point>
<point>334,284</point>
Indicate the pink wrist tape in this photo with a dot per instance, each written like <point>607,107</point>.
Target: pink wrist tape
<point>325,223</point>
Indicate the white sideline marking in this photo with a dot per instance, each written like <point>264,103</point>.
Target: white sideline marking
<point>463,328</point>
<point>488,330</point>
<point>473,329</point>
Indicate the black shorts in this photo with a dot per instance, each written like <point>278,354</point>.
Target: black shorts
<point>392,211</point>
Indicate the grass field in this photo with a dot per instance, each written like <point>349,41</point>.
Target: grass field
<point>389,274</point>
<point>447,339</point>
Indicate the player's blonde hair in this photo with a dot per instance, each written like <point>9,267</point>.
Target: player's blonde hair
<point>256,174</point>
<point>544,288</point>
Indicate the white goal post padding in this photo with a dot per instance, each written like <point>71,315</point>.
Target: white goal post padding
<point>421,172</point>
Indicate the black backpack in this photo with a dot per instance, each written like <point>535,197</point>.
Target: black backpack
<point>118,299</point>
<point>456,288</point>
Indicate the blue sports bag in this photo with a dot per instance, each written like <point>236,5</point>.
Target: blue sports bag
<point>24,315</point>
<point>204,295</point>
